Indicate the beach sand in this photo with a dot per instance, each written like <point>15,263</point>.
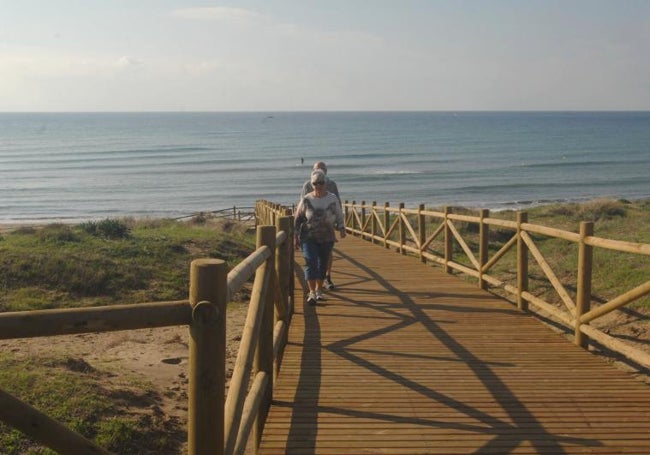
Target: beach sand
<point>158,356</point>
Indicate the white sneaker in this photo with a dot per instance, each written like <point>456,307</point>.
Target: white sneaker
<point>320,296</point>
<point>327,283</point>
<point>311,300</point>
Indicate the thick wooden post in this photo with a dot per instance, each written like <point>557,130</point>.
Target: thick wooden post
<point>386,223</point>
<point>354,218</point>
<point>583,296</point>
<point>422,232</point>
<point>402,230</point>
<point>264,353</point>
<point>290,258</point>
<point>346,213</point>
<point>283,268</point>
<point>208,294</point>
<point>522,263</point>
<point>449,250</point>
<point>483,233</point>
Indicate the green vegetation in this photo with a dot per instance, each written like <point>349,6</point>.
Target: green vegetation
<point>109,262</point>
<point>70,391</point>
<point>614,273</point>
<point>101,263</point>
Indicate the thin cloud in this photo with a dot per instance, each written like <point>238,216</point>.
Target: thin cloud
<point>218,13</point>
<point>38,62</point>
<point>126,62</point>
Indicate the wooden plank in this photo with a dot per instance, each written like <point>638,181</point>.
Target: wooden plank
<point>405,359</point>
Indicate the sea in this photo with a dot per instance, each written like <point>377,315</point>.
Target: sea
<point>70,167</point>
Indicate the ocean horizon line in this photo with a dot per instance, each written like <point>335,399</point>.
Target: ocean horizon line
<point>340,111</point>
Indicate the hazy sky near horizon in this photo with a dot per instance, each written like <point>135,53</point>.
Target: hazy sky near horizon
<point>279,55</point>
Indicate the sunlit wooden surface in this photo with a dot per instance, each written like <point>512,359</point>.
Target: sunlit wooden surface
<point>404,359</point>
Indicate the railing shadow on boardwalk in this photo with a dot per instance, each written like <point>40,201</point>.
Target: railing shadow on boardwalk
<point>306,401</point>
<point>439,237</point>
<point>306,406</point>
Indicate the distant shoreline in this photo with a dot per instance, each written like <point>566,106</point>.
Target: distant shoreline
<point>11,225</point>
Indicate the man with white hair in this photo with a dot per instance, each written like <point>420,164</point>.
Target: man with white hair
<point>330,186</point>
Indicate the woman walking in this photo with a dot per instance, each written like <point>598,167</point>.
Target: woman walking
<point>316,215</point>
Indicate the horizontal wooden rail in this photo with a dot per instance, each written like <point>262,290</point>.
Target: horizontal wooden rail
<point>67,321</point>
<point>393,227</point>
<point>241,213</point>
<point>618,245</point>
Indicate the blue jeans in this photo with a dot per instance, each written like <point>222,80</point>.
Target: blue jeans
<point>317,255</point>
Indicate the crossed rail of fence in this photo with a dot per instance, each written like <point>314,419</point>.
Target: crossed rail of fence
<point>415,231</point>
<point>242,214</point>
<point>217,423</point>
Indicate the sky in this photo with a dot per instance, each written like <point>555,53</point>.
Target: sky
<point>330,55</point>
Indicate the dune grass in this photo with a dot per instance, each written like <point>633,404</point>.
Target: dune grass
<point>101,263</point>
<point>614,273</point>
<point>114,261</point>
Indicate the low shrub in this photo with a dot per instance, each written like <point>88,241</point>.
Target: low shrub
<point>108,228</point>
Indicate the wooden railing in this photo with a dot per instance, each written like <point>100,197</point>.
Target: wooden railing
<point>216,424</point>
<point>242,214</point>
<point>435,236</point>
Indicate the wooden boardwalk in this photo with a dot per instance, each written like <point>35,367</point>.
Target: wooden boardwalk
<point>404,359</point>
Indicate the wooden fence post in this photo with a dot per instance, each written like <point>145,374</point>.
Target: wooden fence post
<point>402,230</point>
<point>522,263</point>
<point>422,232</point>
<point>583,296</point>
<point>283,267</point>
<point>290,259</point>
<point>373,222</point>
<point>449,250</point>
<point>354,218</point>
<point>208,294</point>
<point>386,223</point>
<point>264,352</point>
<point>484,234</point>
<point>363,218</point>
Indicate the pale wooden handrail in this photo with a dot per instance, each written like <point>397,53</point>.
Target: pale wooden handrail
<point>242,272</point>
<point>244,362</point>
<point>251,410</point>
<point>523,243</point>
<point>67,321</point>
<point>619,245</point>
